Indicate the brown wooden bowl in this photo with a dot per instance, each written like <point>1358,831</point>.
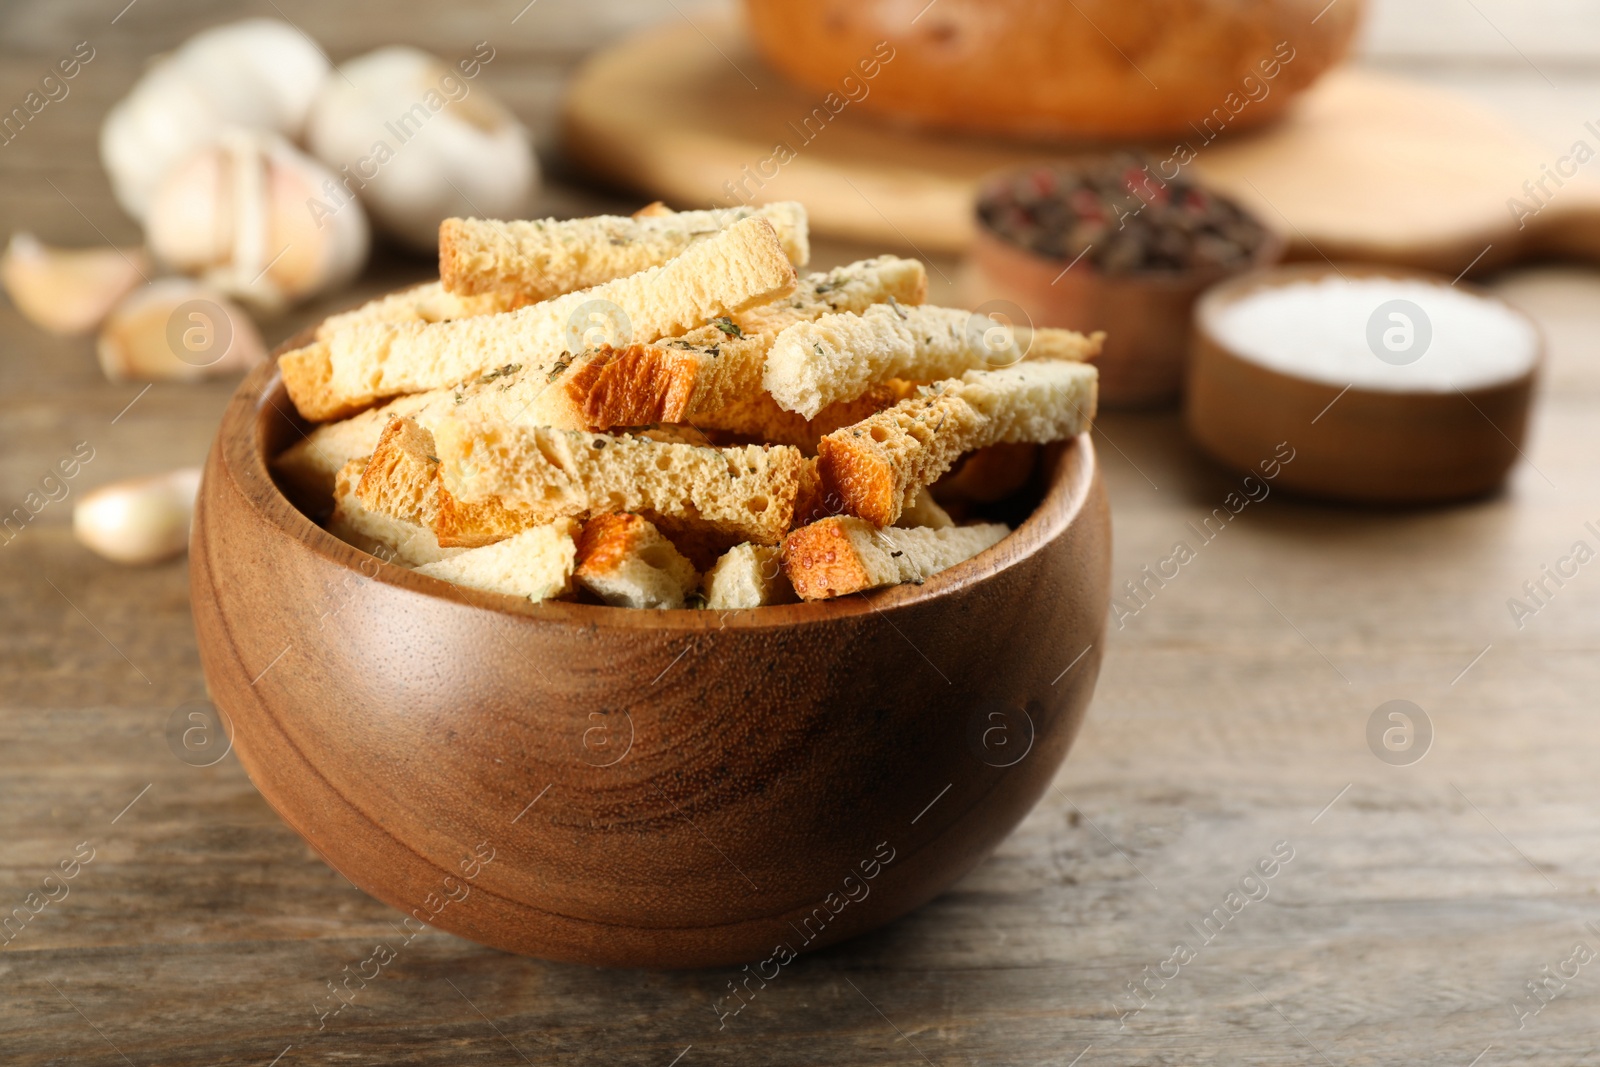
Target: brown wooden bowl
<point>651,788</point>
<point>1353,444</point>
<point>1146,316</point>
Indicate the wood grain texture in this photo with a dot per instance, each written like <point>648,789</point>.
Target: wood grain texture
<point>205,931</point>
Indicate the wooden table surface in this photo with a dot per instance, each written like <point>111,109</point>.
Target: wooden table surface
<point>1231,721</point>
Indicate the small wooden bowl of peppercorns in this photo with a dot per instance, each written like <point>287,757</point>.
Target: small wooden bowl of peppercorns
<point>1111,243</point>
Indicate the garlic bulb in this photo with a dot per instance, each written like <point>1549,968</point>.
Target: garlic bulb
<point>258,73</point>
<point>240,213</point>
<point>419,142</point>
<point>141,520</point>
<point>69,291</point>
<point>176,329</point>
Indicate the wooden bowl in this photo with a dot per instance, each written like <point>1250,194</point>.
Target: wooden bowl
<point>641,788</point>
<point>1355,444</point>
<point>1146,316</point>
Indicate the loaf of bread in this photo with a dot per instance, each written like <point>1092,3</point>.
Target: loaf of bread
<point>746,492</point>
<point>843,554</point>
<point>728,271</point>
<point>536,563</point>
<point>837,357</point>
<point>537,259</point>
<point>626,562</point>
<point>878,465</point>
<point>1085,70</point>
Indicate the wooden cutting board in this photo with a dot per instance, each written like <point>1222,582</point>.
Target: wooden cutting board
<point>1367,167</point>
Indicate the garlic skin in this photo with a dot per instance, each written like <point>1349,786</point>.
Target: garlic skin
<point>177,329</point>
<point>69,291</point>
<point>420,141</point>
<point>259,73</point>
<point>239,212</point>
<point>141,520</point>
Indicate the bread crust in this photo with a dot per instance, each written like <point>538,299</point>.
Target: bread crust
<point>711,377</point>
<point>879,464</point>
<point>822,562</point>
<point>308,379</point>
<point>625,561</point>
<point>844,554</point>
<point>390,539</point>
<point>536,259</point>
<point>745,493</point>
<point>836,358</point>
<point>637,384</point>
<point>736,267</point>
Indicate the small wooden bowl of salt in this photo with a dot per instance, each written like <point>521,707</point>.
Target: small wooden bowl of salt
<point>1385,385</point>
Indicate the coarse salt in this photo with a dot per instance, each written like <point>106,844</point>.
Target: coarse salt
<point>1333,330</point>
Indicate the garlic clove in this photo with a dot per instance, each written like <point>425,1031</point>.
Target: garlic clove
<point>176,329</point>
<point>420,141</point>
<point>320,251</point>
<point>240,212</point>
<point>190,222</point>
<point>258,73</point>
<point>68,291</point>
<point>141,520</point>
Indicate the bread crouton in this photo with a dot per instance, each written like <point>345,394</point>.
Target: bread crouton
<point>746,492</point>
<point>540,258</point>
<point>536,563</point>
<point>747,576</point>
<point>428,302</point>
<point>402,480</point>
<point>878,465</point>
<point>843,554</point>
<point>389,538</point>
<point>837,357</point>
<point>711,377</point>
<point>626,562</point>
<point>511,393</point>
<point>727,272</point>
